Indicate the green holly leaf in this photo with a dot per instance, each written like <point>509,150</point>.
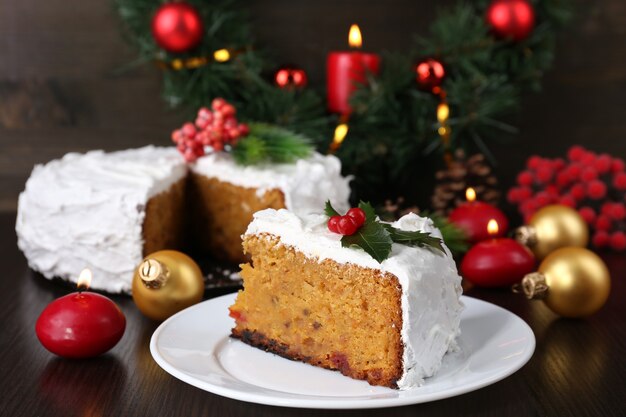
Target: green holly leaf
<point>373,238</point>
<point>370,213</point>
<point>417,238</point>
<point>329,210</point>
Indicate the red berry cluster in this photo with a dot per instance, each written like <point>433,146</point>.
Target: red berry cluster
<point>347,224</point>
<point>215,128</point>
<point>593,184</point>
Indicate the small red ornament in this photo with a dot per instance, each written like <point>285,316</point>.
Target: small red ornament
<point>290,77</point>
<point>80,325</point>
<point>177,27</point>
<point>429,74</point>
<point>512,19</point>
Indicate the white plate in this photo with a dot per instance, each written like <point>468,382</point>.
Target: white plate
<point>195,347</point>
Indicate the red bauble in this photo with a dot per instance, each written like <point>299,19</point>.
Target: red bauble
<point>290,77</point>
<point>429,74</point>
<point>80,325</point>
<point>512,19</point>
<point>177,27</point>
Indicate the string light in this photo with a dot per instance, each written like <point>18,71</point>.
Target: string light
<point>221,55</point>
<point>444,131</point>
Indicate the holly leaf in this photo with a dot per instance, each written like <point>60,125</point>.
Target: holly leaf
<point>372,237</point>
<point>370,213</point>
<point>329,210</point>
<point>416,238</point>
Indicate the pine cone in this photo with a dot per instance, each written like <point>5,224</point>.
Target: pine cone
<point>463,172</point>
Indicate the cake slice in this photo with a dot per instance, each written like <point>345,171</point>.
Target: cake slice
<point>307,298</point>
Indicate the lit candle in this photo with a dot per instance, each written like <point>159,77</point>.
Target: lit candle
<point>346,69</point>
<point>497,262</point>
<point>82,324</point>
<point>473,217</point>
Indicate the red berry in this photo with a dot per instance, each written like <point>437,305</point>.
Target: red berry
<point>588,174</point>
<point>358,215</point>
<point>596,189</point>
<point>603,163</point>
<point>189,155</point>
<point>543,199</point>
<point>204,113</point>
<point>218,146</point>
<point>332,224</point>
<point>600,239</point>
<point>533,162</point>
<point>525,178</point>
<point>177,136</point>
<point>617,165</point>
<point>525,193</point>
<point>576,152</point>
<point>618,240</point>
<point>588,158</point>
<point>567,200</point>
<point>228,110</point>
<point>189,130</point>
<point>218,103</point>
<point>603,223</point>
<point>558,164</point>
<point>573,171</point>
<point>577,191</point>
<point>563,178</point>
<point>619,181</point>
<point>544,174</point>
<point>243,129</point>
<point>202,123</point>
<point>512,196</point>
<point>617,211</point>
<point>347,226</point>
<point>588,214</point>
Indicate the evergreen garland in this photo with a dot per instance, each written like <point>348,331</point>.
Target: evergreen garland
<point>392,140</point>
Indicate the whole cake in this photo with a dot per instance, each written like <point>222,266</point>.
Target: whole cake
<point>106,211</point>
<point>307,297</point>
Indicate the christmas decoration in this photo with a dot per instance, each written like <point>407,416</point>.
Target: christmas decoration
<point>82,324</point>
<point>290,77</point>
<point>218,130</point>
<point>429,73</point>
<point>474,217</point>
<point>373,236</point>
<point>463,172</point>
<point>177,27</point>
<point>345,70</point>
<point>594,185</point>
<point>572,282</point>
<point>551,228</point>
<point>497,262</point>
<point>513,19</point>
<point>392,122</point>
<point>166,282</point>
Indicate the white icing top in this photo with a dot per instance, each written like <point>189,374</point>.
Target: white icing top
<point>87,210</point>
<point>306,184</point>
<point>431,286</point>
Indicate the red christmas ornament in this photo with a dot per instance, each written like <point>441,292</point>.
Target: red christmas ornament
<point>177,27</point>
<point>512,19</point>
<point>429,74</point>
<point>290,77</point>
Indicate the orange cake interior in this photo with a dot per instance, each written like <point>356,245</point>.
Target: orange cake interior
<point>338,316</point>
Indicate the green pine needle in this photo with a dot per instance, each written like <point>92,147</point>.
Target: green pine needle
<point>271,144</point>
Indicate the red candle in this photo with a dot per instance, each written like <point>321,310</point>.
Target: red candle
<point>82,324</point>
<point>497,262</point>
<point>473,217</point>
<point>346,69</point>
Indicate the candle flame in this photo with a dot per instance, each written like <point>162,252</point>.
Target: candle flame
<point>470,195</point>
<point>84,279</point>
<point>221,55</point>
<point>492,227</point>
<point>340,133</point>
<point>354,37</point>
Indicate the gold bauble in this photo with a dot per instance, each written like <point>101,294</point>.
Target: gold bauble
<point>572,282</point>
<point>551,228</point>
<point>166,282</point>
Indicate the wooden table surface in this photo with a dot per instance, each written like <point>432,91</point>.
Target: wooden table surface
<point>579,366</point>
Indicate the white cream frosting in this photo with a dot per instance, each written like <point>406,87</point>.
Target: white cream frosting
<point>87,210</point>
<point>431,286</point>
<point>306,184</point>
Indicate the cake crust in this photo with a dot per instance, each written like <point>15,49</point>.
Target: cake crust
<point>339,317</point>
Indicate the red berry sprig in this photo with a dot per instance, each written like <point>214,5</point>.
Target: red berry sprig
<point>593,184</point>
<point>349,223</point>
<point>213,129</point>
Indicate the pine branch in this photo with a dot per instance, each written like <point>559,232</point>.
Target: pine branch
<point>270,144</point>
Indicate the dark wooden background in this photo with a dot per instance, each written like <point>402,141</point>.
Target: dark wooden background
<point>61,89</point>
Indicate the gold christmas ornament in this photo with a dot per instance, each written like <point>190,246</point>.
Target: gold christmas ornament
<point>572,282</point>
<point>166,282</point>
<point>551,228</point>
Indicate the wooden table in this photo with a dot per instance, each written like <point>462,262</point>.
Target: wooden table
<point>579,366</point>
